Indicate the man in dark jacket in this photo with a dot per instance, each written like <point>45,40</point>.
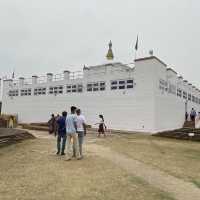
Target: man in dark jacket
<point>61,133</point>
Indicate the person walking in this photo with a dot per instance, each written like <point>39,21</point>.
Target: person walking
<point>81,130</point>
<point>61,133</point>
<point>71,130</point>
<point>102,126</point>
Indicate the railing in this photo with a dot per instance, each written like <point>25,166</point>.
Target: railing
<point>76,75</point>
<point>43,79</point>
<point>28,81</point>
<point>58,77</point>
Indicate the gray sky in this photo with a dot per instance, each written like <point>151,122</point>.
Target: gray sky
<point>40,36</point>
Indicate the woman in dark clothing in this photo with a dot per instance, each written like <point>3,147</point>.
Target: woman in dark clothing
<point>102,126</point>
<point>52,124</point>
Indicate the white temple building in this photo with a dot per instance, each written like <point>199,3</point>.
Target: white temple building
<point>148,97</point>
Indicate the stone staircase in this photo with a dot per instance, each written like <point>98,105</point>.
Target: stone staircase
<point>189,124</point>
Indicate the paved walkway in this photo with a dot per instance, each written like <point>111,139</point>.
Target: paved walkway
<point>180,189</point>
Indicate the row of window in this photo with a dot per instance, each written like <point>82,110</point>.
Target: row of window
<point>163,86</point>
<point>188,96</point>
<point>13,93</point>
<point>39,91</point>
<point>122,84</point>
<point>26,92</point>
<point>97,86</point>
<point>75,88</point>
<point>56,90</point>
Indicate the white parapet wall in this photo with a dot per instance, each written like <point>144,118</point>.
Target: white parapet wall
<point>143,98</point>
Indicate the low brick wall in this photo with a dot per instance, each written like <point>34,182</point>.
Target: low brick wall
<point>10,136</point>
<point>181,134</point>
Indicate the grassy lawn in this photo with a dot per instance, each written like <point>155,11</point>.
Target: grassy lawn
<point>178,158</point>
<point>31,170</point>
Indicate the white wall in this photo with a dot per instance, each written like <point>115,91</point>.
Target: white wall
<point>169,108</point>
<point>129,109</point>
<point>144,108</point>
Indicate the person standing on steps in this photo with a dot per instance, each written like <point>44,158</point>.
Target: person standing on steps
<point>186,116</point>
<point>193,114</point>
<point>61,133</point>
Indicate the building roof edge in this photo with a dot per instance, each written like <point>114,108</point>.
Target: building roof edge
<point>149,58</point>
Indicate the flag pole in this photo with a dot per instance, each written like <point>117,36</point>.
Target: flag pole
<point>13,74</point>
<point>135,54</point>
<point>136,48</point>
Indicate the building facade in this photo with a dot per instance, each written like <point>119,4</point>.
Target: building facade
<point>148,97</point>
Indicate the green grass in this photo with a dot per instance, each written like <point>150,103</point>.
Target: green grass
<point>196,182</point>
<point>192,154</point>
<point>159,195</point>
<point>165,196</point>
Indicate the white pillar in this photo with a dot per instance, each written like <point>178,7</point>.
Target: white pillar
<point>85,72</point>
<point>34,79</point>
<point>7,83</point>
<point>49,77</point>
<point>21,81</point>
<point>66,75</point>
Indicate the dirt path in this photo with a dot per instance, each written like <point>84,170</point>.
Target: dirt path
<point>177,187</point>
<point>181,190</point>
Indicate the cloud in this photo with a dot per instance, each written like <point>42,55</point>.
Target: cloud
<point>48,36</point>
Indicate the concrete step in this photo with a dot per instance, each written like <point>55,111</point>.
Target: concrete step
<point>190,124</point>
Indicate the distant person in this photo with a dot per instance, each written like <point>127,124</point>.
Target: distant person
<point>186,116</point>
<point>102,126</point>
<point>61,133</point>
<point>51,124</point>
<point>193,114</point>
<point>11,122</point>
<point>71,130</point>
<point>81,130</point>
<point>56,125</point>
<point>197,121</point>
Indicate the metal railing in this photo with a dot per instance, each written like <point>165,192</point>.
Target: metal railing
<point>43,79</point>
<point>76,75</point>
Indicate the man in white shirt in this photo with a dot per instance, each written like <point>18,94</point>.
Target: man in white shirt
<point>81,130</point>
<point>71,130</point>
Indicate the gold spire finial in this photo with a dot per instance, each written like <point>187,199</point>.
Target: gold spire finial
<point>110,55</point>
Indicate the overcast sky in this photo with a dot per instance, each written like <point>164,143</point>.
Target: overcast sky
<point>40,36</point>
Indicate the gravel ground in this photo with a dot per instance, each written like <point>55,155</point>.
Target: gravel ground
<point>30,170</point>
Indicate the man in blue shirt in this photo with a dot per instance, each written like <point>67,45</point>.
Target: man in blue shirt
<point>61,133</point>
<point>71,129</point>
